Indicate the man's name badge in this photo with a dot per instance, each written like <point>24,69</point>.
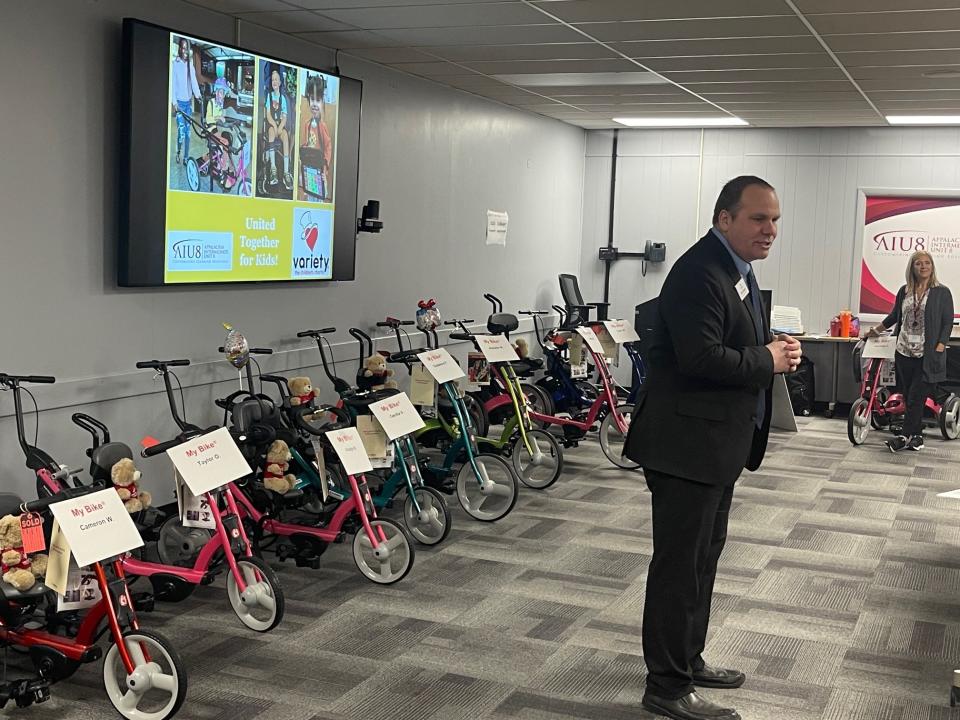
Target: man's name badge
<point>741,287</point>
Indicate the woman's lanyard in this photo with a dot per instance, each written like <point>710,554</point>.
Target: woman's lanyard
<point>918,306</point>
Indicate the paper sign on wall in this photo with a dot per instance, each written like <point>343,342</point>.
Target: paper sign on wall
<point>884,347</point>
<point>441,365</point>
<point>590,337</point>
<point>621,331</point>
<point>210,461</point>
<point>423,388</point>
<point>496,348</point>
<point>97,526</point>
<point>349,448</point>
<point>397,416</point>
<point>497,227</point>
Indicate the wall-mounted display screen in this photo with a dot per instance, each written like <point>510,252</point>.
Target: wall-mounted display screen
<point>237,167</point>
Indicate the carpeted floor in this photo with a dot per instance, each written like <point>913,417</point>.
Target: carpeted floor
<point>838,594</point>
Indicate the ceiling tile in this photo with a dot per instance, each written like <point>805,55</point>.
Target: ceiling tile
<point>875,22</point>
<point>235,6</point>
<point>554,66</point>
<point>828,6</point>
<point>756,76</point>
<point>505,35</point>
<point>740,62</point>
<point>545,51</point>
<point>578,11</point>
<point>915,95</point>
<point>877,73</point>
<point>692,29</point>
<point>512,12</point>
<point>887,58</point>
<point>712,47</point>
<point>354,4</point>
<point>710,89</point>
<point>943,40</point>
<point>901,83</point>
<point>390,55</point>
<point>430,69</point>
<point>350,39</point>
<point>294,21</point>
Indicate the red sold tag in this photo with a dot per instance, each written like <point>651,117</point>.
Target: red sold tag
<point>31,528</point>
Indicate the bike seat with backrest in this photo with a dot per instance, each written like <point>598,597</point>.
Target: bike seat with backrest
<point>104,457</point>
<point>502,323</point>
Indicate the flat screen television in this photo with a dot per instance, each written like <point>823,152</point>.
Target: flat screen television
<point>235,167</point>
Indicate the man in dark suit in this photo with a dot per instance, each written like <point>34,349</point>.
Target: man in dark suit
<point>703,416</point>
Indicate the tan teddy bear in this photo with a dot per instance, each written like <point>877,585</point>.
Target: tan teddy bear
<point>376,375</point>
<point>275,476</point>
<point>523,350</point>
<point>126,480</point>
<point>19,570</point>
<point>301,391</point>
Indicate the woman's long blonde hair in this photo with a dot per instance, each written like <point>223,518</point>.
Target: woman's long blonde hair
<point>911,274</point>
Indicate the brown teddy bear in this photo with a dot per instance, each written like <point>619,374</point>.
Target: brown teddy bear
<point>19,570</point>
<point>523,350</point>
<point>126,480</point>
<point>302,391</point>
<point>275,475</point>
<point>376,375</point>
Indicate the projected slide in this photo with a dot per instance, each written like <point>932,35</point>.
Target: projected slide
<point>251,157</point>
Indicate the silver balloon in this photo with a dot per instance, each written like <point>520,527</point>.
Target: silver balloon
<point>236,348</point>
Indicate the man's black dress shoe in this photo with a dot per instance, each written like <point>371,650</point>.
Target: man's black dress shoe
<point>689,707</point>
<point>714,677</point>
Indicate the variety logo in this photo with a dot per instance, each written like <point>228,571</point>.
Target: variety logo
<point>312,243</point>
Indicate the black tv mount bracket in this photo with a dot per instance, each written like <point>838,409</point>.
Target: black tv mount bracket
<point>654,252</point>
<point>369,220</point>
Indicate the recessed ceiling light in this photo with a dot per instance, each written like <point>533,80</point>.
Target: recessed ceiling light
<point>923,119</point>
<point>664,122</point>
<point>942,74</point>
<point>581,79</point>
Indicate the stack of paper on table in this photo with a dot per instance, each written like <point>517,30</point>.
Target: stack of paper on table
<point>786,319</point>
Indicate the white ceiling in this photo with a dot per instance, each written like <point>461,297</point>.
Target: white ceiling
<point>774,63</point>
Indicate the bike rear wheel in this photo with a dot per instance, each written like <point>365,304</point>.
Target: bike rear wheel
<point>156,688</point>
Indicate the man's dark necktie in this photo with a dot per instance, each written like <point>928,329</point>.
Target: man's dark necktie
<point>758,326</point>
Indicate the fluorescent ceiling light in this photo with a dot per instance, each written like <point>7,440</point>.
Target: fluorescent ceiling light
<point>662,122</point>
<point>581,79</point>
<point>923,119</point>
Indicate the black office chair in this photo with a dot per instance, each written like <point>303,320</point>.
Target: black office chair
<point>578,312</point>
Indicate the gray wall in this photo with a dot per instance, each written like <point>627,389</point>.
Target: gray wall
<point>667,183</point>
<point>435,158</point>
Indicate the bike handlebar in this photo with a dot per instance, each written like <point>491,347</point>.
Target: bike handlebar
<point>66,494</point>
<point>532,312</point>
<point>394,323</point>
<point>461,336</point>
<point>6,379</point>
<point>405,356</point>
<point>161,364</point>
<point>253,351</point>
<point>315,333</point>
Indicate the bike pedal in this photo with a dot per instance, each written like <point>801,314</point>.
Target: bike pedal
<point>143,601</point>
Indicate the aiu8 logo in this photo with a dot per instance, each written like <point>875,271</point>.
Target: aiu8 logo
<point>900,240</point>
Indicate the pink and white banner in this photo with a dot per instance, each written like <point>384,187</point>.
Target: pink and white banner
<point>895,228</point>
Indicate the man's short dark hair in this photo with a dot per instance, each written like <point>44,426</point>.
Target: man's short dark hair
<point>729,198</point>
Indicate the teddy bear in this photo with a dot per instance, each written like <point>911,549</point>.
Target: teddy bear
<point>19,570</point>
<point>376,375</point>
<point>126,481</point>
<point>523,350</point>
<point>301,391</point>
<point>275,475</point>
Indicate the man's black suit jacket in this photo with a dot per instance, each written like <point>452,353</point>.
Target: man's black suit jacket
<point>695,417</point>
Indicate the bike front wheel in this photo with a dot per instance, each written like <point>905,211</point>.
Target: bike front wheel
<point>393,557</point>
<point>260,605</point>
<point>490,492</point>
<point>541,468</point>
<point>612,441</point>
<point>432,523</point>
<point>156,688</point>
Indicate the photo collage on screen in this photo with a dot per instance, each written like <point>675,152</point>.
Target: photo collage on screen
<point>248,127</point>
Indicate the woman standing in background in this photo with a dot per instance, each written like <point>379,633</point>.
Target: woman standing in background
<point>922,316</point>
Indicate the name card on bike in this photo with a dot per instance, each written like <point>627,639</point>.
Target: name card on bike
<point>441,365</point>
<point>496,348</point>
<point>209,461</point>
<point>397,415</point>
<point>349,448</point>
<point>97,526</point>
<point>423,387</point>
<point>591,339</point>
<point>884,347</point>
<point>621,331</point>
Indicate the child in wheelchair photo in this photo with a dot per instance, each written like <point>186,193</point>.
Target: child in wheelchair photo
<point>219,140</point>
<point>274,178</point>
<point>316,149</point>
